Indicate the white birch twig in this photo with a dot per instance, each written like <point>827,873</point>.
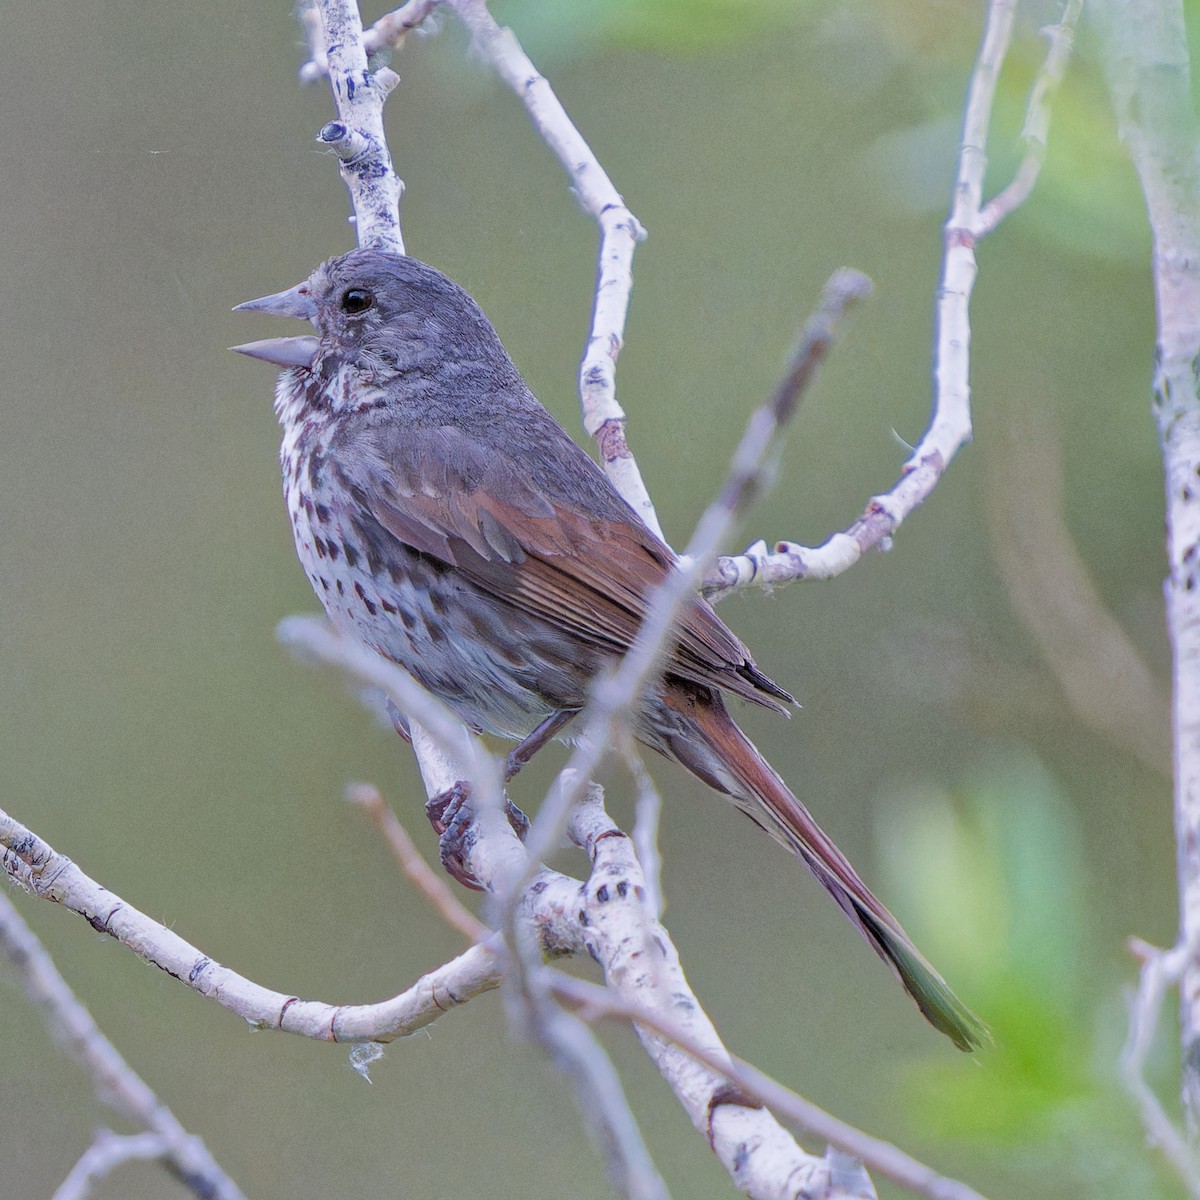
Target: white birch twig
<point>114,1081</point>
<point>420,874</point>
<point>388,32</point>
<point>1036,130</point>
<point>357,137</point>
<point>950,425</point>
<point>1161,971</point>
<point>108,1153</point>
<point>1145,48</point>
<point>620,232</point>
<point>315,638</point>
<point>642,969</point>
<point>38,868</point>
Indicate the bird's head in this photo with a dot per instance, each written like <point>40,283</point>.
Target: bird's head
<point>381,312</point>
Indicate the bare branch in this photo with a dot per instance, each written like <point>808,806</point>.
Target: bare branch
<point>614,905</point>
<point>1147,61</point>
<point>108,1152</point>
<point>950,424</point>
<point>420,874</point>
<point>113,1079</point>
<point>357,137</point>
<point>645,833</point>
<point>1036,130</point>
<point>388,31</point>
<point>317,639</point>
<point>35,865</point>
<point>1161,971</point>
<point>620,232</point>
<point>599,1096</point>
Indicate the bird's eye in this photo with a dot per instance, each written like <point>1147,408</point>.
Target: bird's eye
<point>356,300</point>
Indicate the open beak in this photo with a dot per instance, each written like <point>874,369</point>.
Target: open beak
<point>287,351</point>
<point>283,352</point>
<point>295,302</point>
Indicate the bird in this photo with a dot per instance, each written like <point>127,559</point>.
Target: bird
<point>446,520</point>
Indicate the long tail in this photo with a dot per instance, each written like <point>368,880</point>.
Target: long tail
<point>709,743</point>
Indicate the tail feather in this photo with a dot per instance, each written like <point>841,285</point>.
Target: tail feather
<point>733,765</point>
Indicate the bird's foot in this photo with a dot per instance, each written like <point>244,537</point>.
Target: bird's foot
<point>517,819</point>
<point>399,721</point>
<point>450,814</point>
<point>549,729</point>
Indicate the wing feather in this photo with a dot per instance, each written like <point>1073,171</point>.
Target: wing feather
<point>583,562</point>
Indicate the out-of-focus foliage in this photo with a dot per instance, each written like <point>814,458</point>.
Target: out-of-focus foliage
<point>1001,906</point>
<point>580,27</point>
<point>1092,203</point>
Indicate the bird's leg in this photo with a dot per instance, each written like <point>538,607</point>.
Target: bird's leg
<point>530,745</point>
<point>399,721</point>
<point>523,752</point>
<point>449,812</point>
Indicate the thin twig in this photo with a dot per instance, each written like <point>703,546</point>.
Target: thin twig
<point>114,1081</point>
<point>36,866</point>
<point>593,1003</point>
<point>950,423</point>
<point>420,874</point>
<point>1161,970</point>
<point>620,232</point>
<point>108,1152</point>
<point>1036,129</point>
<point>317,639</point>
<point>645,833</point>
<point>388,32</point>
<point>357,137</point>
<point>601,1100</point>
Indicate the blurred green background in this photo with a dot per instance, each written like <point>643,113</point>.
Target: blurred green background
<point>160,167</point>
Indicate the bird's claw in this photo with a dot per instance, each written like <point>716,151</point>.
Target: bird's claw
<point>517,819</point>
<point>450,814</point>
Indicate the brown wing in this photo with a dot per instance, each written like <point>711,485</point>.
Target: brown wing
<point>540,527</point>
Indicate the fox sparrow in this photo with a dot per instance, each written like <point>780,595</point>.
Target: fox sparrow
<point>445,519</point>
